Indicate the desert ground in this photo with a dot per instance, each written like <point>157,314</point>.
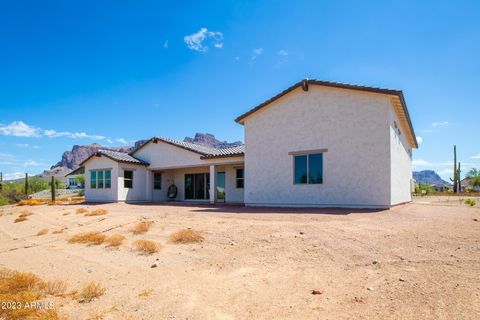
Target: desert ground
<point>416,261</point>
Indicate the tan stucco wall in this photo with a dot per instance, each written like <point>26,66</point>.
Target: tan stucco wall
<point>139,190</point>
<point>101,195</point>
<point>401,163</point>
<point>352,125</point>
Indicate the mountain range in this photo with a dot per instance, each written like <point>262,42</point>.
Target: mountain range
<point>71,159</point>
<point>428,176</point>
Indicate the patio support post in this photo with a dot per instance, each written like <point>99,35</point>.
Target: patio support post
<point>213,183</point>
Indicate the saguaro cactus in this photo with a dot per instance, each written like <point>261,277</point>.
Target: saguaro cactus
<point>456,172</point>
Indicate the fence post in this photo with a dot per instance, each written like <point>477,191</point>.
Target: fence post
<point>26,185</point>
<point>53,189</point>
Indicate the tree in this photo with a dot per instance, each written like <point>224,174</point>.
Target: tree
<point>473,177</point>
<point>36,184</point>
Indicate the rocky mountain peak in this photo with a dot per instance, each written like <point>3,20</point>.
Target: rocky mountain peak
<point>209,140</point>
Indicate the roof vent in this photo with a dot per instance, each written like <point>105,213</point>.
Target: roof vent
<point>305,85</point>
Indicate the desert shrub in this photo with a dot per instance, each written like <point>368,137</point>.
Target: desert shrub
<point>25,214</point>
<point>41,232</point>
<point>81,210</point>
<point>470,202</point>
<point>114,240</point>
<point>20,219</point>
<point>141,227</point>
<point>146,246</point>
<point>90,291</point>
<point>59,230</point>
<point>186,236</point>
<point>91,238</point>
<point>98,212</point>
<point>145,293</point>
<point>424,187</point>
<point>4,200</point>
<point>31,202</point>
<point>54,288</point>
<point>25,287</point>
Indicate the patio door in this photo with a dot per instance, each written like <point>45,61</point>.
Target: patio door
<point>221,186</point>
<point>197,186</point>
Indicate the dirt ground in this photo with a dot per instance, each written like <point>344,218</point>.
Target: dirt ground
<point>416,261</point>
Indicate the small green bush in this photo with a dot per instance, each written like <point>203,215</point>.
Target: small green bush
<point>3,200</point>
<point>470,202</point>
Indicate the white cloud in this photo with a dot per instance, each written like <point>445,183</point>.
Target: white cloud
<point>440,124</point>
<point>73,135</point>
<point>420,163</point>
<point>257,52</point>
<point>476,157</point>
<point>419,140</point>
<point>109,140</point>
<point>165,44</point>
<point>21,129</point>
<point>18,129</point>
<point>283,53</point>
<point>13,175</point>
<point>196,41</point>
<point>122,141</point>
<point>21,145</point>
<point>5,163</point>
<point>6,156</point>
<point>32,163</point>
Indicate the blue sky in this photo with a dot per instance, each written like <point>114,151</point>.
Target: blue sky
<point>112,72</point>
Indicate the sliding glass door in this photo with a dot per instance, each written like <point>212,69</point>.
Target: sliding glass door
<point>197,186</point>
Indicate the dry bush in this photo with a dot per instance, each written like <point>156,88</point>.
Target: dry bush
<point>146,246</point>
<point>20,219</point>
<point>54,288</point>
<point>25,214</point>
<point>41,232</point>
<point>65,213</point>
<point>59,230</point>
<point>141,227</point>
<point>81,210</point>
<point>25,287</point>
<point>186,236</point>
<point>98,212</point>
<point>90,237</point>
<point>31,202</point>
<point>114,240</point>
<point>145,293</point>
<point>90,291</point>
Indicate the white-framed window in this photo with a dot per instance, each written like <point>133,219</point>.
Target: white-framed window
<point>308,168</point>
<point>128,179</point>
<point>240,178</point>
<point>157,180</point>
<point>100,179</point>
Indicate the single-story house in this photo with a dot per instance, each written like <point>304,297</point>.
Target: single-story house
<point>317,143</point>
<point>75,178</point>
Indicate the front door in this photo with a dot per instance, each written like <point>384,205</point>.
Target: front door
<point>221,186</point>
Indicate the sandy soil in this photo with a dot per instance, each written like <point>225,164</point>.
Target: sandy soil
<point>417,261</point>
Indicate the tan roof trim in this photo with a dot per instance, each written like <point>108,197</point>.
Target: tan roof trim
<point>402,111</point>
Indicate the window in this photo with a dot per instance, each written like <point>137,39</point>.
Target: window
<point>128,179</point>
<point>93,179</point>
<point>197,186</point>
<point>100,179</point>
<point>157,181</point>
<point>240,178</point>
<point>308,169</point>
<point>108,179</point>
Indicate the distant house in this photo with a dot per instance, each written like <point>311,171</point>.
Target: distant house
<point>316,143</point>
<point>73,178</point>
